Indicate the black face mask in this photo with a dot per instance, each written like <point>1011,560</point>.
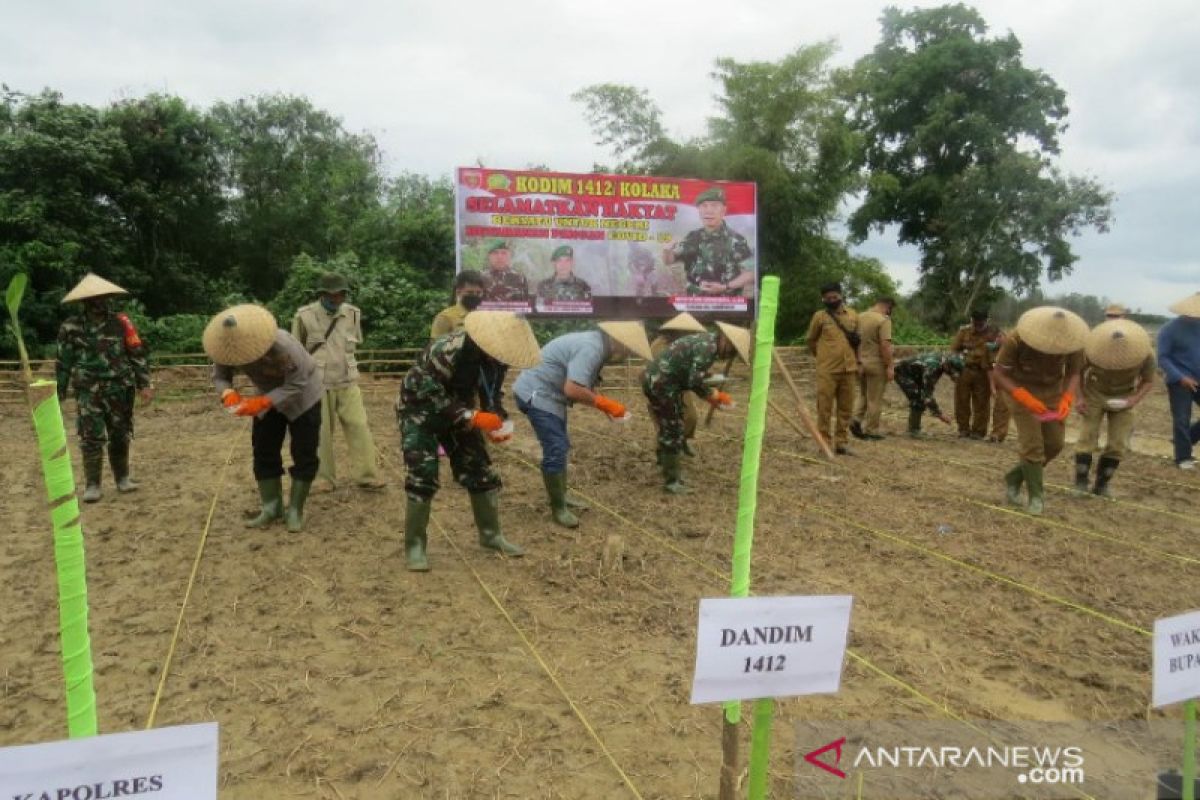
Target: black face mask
<point>832,305</point>
<point>471,301</point>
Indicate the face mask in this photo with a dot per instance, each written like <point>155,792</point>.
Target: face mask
<point>471,301</point>
<point>329,305</point>
<point>832,305</point>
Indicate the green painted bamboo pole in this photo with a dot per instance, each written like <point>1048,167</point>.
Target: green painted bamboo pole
<point>1189,750</point>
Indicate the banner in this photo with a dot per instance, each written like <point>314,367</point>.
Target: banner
<point>556,244</point>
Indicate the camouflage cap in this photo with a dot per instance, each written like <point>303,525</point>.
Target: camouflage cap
<point>499,244</point>
<point>331,282</point>
<point>562,251</point>
<point>712,193</point>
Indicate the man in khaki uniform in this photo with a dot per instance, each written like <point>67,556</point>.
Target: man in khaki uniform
<point>977,343</point>
<point>468,294</point>
<point>1038,367</point>
<point>1000,414</point>
<point>330,330</point>
<point>1118,374</point>
<point>833,340</point>
<point>878,367</point>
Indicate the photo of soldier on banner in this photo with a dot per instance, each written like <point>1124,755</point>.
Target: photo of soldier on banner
<point>564,245</point>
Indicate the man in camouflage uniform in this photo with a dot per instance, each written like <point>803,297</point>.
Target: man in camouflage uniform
<point>712,255</point>
<point>669,332</point>
<point>682,367</point>
<point>917,377</point>
<point>563,285</point>
<point>502,283</point>
<point>101,355</point>
<point>977,343</point>
<point>436,407</point>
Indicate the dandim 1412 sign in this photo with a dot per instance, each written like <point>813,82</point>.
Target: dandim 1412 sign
<point>754,647</point>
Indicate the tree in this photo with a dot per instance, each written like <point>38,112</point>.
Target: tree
<point>957,143</point>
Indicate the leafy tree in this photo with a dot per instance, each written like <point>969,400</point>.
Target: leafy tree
<point>957,140</point>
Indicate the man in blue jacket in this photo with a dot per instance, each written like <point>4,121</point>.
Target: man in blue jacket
<point>1179,359</point>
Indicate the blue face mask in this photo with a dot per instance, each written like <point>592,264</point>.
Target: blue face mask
<point>329,305</point>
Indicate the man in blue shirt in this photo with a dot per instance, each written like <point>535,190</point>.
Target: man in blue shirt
<point>1179,359</point>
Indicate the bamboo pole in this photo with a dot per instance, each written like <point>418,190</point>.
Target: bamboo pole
<point>802,408</point>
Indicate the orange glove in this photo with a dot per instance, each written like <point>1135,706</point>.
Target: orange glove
<point>230,398</point>
<point>486,421</point>
<point>253,406</point>
<point>719,399</point>
<point>609,406</point>
<point>132,340</point>
<point>1031,403</point>
<point>1064,405</point>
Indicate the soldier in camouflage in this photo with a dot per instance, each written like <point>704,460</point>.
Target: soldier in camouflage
<point>712,255</point>
<point>502,283</point>
<point>563,285</point>
<point>917,377</point>
<point>436,407</point>
<point>682,367</point>
<point>101,355</point>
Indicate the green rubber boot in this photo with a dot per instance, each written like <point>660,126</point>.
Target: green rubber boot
<point>914,422</point>
<point>673,474</point>
<point>118,459</point>
<point>574,502</point>
<point>486,508</point>
<point>1013,480</point>
<point>416,536</point>
<point>1083,465</point>
<point>1033,482</point>
<point>93,466</point>
<point>556,489</point>
<point>271,492</point>
<point>295,510</point>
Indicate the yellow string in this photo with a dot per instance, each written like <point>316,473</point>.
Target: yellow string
<point>166,667</point>
<point>541,661</point>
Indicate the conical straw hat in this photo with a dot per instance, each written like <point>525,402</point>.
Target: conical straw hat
<point>239,335</point>
<point>91,286</point>
<point>1117,344</point>
<point>505,337</point>
<point>1052,330</point>
<point>1188,306</point>
<point>631,334</point>
<point>740,337</point>
<point>682,322</point>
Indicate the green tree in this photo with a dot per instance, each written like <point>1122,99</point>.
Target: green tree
<point>957,142</point>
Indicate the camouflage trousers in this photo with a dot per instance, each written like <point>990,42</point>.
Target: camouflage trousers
<point>912,390</point>
<point>104,414</point>
<point>666,409</point>
<point>469,459</point>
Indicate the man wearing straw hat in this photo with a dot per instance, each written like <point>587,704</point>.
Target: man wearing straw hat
<point>436,407</point>
<point>680,368</point>
<point>568,374</point>
<point>1118,374</point>
<point>246,339</point>
<point>1179,359</point>
<point>101,355</point>
<point>1038,368</point>
<point>331,330</point>
<point>672,330</point>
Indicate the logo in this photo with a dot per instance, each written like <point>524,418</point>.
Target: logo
<point>499,181</point>
<point>472,179</point>
<point>814,757</point>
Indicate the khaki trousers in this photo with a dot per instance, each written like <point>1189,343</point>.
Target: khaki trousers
<point>1000,418</point>
<point>871,384</point>
<point>972,401</point>
<point>1038,442</point>
<point>835,388</point>
<point>1120,429</point>
<point>345,405</point>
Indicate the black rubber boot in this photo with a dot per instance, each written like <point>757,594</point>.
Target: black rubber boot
<point>295,509</point>
<point>93,467</point>
<point>416,536</point>
<point>271,493</point>
<point>1013,480</point>
<point>914,422</point>
<point>118,459</point>
<point>1104,473</point>
<point>556,490</point>
<point>1083,465</point>
<point>856,429</point>
<point>486,508</point>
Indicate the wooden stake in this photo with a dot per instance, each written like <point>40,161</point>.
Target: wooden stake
<point>729,760</point>
<point>801,407</point>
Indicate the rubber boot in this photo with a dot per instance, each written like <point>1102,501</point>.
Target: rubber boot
<point>486,508</point>
<point>271,492</point>
<point>856,429</point>
<point>556,489</point>
<point>573,502</point>
<point>295,509</point>
<point>1013,479</point>
<point>1083,465</point>
<point>416,535</point>
<point>673,474</point>
<point>914,422</point>
<point>118,459</point>
<point>687,449</point>
<point>1104,473</point>
<point>1033,483</point>
<point>93,466</point>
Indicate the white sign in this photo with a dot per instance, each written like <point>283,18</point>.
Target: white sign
<point>770,647</point>
<point>1176,659</point>
<point>163,763</point>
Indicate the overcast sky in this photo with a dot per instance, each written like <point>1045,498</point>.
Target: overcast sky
<point>448,83</point>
